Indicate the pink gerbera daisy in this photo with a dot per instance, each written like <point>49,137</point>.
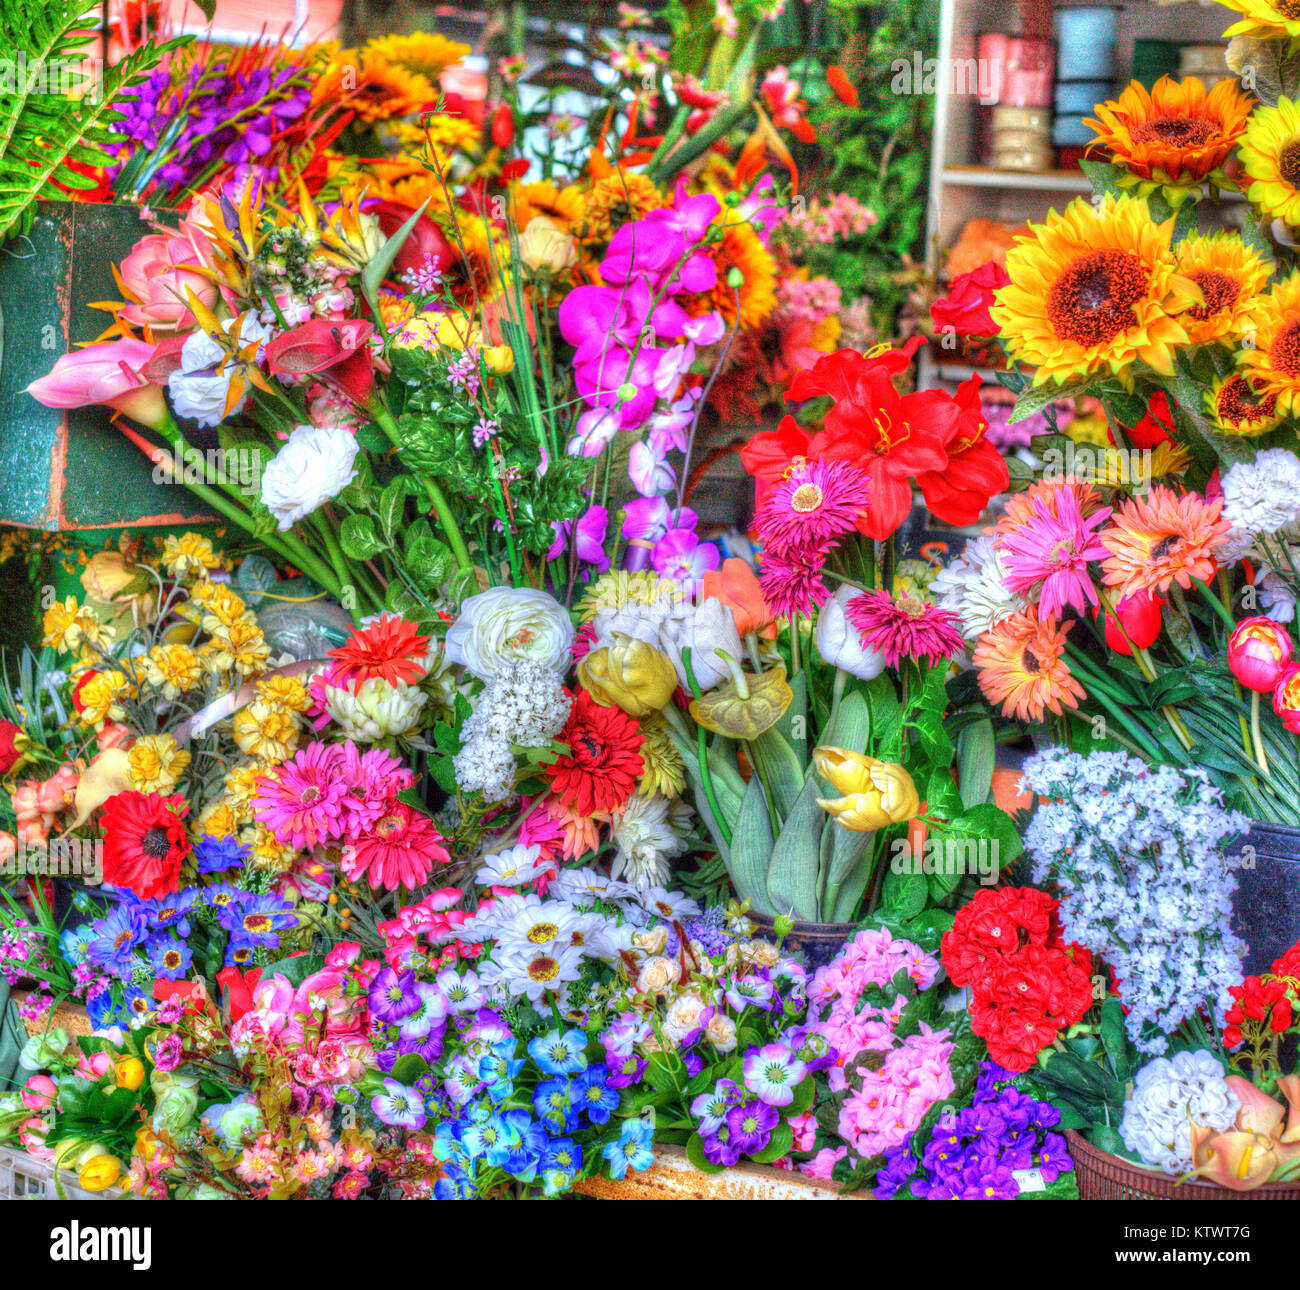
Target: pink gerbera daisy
<point>904,628</point>
<point>302,801</point>
<point>372,778</point>
<point>815,502</point>
<point>1046,553</point>
<point>791,582</point>
<point>399,852</point>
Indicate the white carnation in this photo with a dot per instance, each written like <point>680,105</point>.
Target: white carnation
<point>645,842</point>
<point>1263,495</point>
<point>973,587</point>
<point>315,464</point>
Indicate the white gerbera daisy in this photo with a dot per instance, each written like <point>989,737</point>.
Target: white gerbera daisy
<point>537,970</point>
<point>645,841</point>
<point>973,587</point>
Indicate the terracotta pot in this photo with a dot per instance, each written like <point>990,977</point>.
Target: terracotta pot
<point>816,943</point>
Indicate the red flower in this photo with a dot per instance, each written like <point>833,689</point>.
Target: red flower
<point>1139,614</point>
<point>964,311</point>
<point>1155,428</point>
<point>603,763</point>
<point>841,85</point>
<point>337,352</point>
<point>239,987</point>
<point>145,842</point>
<point>993,923</point>
<point>424,240</point>
<point>503,126</point>
<point>399,851</point>
<point>1289,963</point>
<point>389,648</point>
<point>10,752</point>
<point>975,470</point>
<point>767,455</point>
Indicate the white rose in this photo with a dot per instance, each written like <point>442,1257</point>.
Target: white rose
<point>721,1032</point>
<point>837,638</point>
<point>683,1016</point>
<point>315,464</point>
<point>657,976</point>
<point>503,624</point>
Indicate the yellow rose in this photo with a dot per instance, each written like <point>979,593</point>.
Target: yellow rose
<point>875,793</point>
<point>99,1172</point>
<point>546,248</point>
<point>129,1073</point>
<point>628,674</point>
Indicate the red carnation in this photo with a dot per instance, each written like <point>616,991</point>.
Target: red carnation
<point>965,309</point>
<point>145,842</point>
<point>604,760</point>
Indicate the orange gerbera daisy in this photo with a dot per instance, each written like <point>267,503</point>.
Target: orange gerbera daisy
<point>1230,275</point>
<point>1177,135</point>
<point>1022,667</point>
<point>1161,538</point>
<point>389,647</point>
<point>741,249</point>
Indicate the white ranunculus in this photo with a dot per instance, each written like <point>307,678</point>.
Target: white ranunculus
<point>705,630</point>
<point>315,464</point>
<point>507,623</point>
<point>837,638</point>
<point>374,709</point>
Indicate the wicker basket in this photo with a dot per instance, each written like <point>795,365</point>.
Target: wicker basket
<point>1102,1176</point>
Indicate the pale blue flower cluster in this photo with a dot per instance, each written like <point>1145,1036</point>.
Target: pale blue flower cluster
<point>1145,880</point>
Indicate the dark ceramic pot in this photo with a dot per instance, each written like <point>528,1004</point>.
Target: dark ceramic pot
<point>815,943</point>
<point>1266,908</point>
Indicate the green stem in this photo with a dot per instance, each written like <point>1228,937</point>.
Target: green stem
<point>701,752</point>
<point>1215,603</point>
<point>1256,738</point>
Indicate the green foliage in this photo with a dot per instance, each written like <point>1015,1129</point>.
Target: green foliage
<point>44,127</point>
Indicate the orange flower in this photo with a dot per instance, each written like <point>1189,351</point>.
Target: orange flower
<point>1021,666</point>
<point>1161,538</point>
<point>737,587</point>
<point>843,87</point>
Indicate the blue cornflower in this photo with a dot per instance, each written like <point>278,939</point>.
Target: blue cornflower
<point>224,896</point>
<point>117,936</point>
<point>557,1054</point>
<point>492,1141</point>
<point>171,959</point>
<point>258,919</point>
<point>632,1150</point>
<point>216,855</point>
<point>593,1094</point>
<point>561,1161</point>
<point>553,1103</point>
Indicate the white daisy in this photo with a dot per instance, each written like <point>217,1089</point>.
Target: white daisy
<point>973,587</point>
<point>516,867</point>
<point>645,841</point>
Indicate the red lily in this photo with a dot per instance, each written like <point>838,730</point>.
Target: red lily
<point>767,455</point>
<point>975,470</point>
<point>337,352</point>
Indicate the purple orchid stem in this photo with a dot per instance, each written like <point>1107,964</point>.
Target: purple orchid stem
<point>699,409</point>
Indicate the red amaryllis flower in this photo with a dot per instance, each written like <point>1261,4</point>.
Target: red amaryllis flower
<point>892,438</point>
<point>145,842</point>
<point>964,311</point>
<point>399,850</point>
<point>767,455</point>
<point>389,648</point>
<point>975,470</point>
<point>425,240</point>
<point>337,352</point>
<point>604,760</point>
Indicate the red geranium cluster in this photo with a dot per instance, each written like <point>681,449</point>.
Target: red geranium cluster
<point>929,438</point>
<point>1264,1005</point>
<point>1026,984</point>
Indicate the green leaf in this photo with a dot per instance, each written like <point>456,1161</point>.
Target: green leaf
<point>358,538</point>
<point>392,505</point>
<point>976,750</point>
<point>373,275</point>
<point>903,895</point>
<point>1037,397</point>
<point>695,1154</point>
<point>792,874</point>
<point>850,726</point>
<point>779,1145</point>
<point>751,849</point>
<point>408,1068</point>
<point>785,771</point>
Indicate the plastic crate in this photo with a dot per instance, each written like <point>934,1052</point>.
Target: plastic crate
<point>23,1177</point>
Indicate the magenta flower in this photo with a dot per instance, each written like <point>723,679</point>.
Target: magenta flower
<point>680,556</point>
<point>590,544</point>
<point>302,803</point>
<point>904,628</point>
<point>649,472</point>
<point>1048,553</point>
<point>645,521</point>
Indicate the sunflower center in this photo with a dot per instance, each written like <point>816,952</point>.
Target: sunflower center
<point>1288,160</point>
<point>1028,661</point>
<point>1288,8</point>
<point>155,843</point>
<point>1092,301</point>
<point>1176,131</point>
<point>1220,291</point>
<point>1284,352</point>
<point>1237,404</point>
<point>806,498</point>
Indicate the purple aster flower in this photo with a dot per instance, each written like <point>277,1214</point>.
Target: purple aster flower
<point>751,1126</point>
<point>393,995</point>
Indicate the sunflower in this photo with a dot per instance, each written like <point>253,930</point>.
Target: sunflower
<point>1022,666</point>
<point>1177,135</point>
<point>1265,18</point>
<point>1273,364</point>
<point>616,200</point>
<point>423,52</point>
<point>375,92</point>
<point>1236,409</point>
<point>740,249</point>
<point>563,206</point>
<point>1270,153</point>
<point>1093,291</point>
<point>1162,538</point>
<point>436,138</point>
<point>1230,276</point>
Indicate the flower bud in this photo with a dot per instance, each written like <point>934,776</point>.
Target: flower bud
<point>546,248</point>
<point>129,1073</point>
<point>1259,651</point>
<point>99,1173</point>
<point>876,794</point>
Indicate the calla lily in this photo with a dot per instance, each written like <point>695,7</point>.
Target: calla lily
<point>337,352</point>
<point>746,706</point>
<point>1259,1149</point>
<point>107,374</point>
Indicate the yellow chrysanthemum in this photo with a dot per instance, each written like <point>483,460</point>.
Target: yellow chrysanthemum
<point>1270,154</point>
<point>1176,135</point>
<point>172,670</point>
<point>1265,18</point>
<point>1272,365</point>
<point>269,856</point>
<point>753,298</point>
<point>1094,291</point>
<point>240,646</point>
<point>241,780</point>
<point>620,198</point>
<point>191,553</point>
<point>155,764</point>
<point>664,770</point>
<point>67,626</point>
<point>102,696</point>
<point>1230,276</point>
<point>220,819</point>
<point>287,693</point>
<point>438,138</point>
<point>223,609</point>
<point>619,588</point>
<point>266,732</point>
<point>421,51</point>
<point>1236,409</point>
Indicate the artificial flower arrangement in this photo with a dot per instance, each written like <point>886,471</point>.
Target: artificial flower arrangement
<point>1115,985</point>
<point>1132,592</point>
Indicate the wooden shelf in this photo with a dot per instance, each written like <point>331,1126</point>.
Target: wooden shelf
<point>1049,181</point>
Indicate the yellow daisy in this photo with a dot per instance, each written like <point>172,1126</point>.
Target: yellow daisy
<point>746,283</point>
<point>1270,154</point>
<point>1236,409</point>
<point>1230,276</point>
<point>155,764</point>
<point>1094,290</point>
<point>223,609</point>
<point>563,206</point>
<point>191,553</point>
<point>421,51</point>
<point>1272,365</point>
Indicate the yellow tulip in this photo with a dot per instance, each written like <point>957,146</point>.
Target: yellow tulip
<point>875,793</point>
<point>99,1172</point>
<point>499,359</point>
<point>129,1073</point>
<point>628,674</point>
